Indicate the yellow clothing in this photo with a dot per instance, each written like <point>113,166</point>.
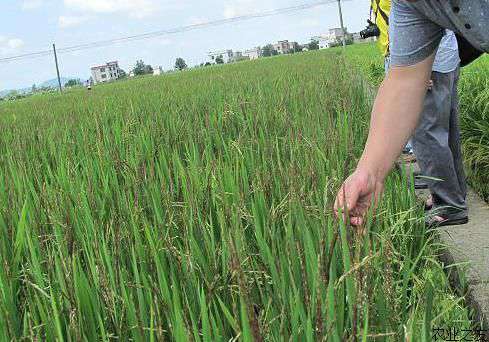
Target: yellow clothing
<point>381,10</point>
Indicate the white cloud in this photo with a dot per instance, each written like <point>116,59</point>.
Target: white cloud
<point>10,45</point>
<point>15,43</point>
<point>66,21</point>
<point>235,8</point>
<point>135,8</point>
<point>197,20</point>
<point>165,41</point>
<point>32,4</point>
<point>311,22</point>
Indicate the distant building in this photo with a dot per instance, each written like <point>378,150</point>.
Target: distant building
<point>238,56</point>
<point>324,42</point>
<point>284,46</point>
<point>333,37</point>
<point>106,73</point>
<point>157,71</point>
<point>337,32</point>
<point>226,55</point>
<point>254,53</point>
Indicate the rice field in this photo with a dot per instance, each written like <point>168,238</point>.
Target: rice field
<point>474,99</point>
<point>196,206</point>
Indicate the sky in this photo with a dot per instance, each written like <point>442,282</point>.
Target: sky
<point>34,25</point>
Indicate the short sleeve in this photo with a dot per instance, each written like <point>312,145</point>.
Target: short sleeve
<point>413,37</point>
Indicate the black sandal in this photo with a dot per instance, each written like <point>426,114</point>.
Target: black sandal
<point>432,222</point>
<point>419,184</point>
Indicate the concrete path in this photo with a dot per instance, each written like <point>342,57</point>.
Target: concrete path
<point>467,249</point>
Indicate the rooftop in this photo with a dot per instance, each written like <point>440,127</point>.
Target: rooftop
<point>104,65</point>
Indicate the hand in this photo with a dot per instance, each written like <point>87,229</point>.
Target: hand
<point>430,84</point>
<point>357,194</point>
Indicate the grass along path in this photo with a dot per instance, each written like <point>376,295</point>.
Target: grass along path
<point>197,206</point>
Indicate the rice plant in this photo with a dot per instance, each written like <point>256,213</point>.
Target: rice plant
<point>197,207</point>
<point>474,99</point>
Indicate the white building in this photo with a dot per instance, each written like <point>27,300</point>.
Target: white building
<point>238,56</point>
<point>326,40</point>
<point>254,53</point>
<point>226,55</point>
<point>284,46</point>
<point>106,73</point>
<point>158,71</point>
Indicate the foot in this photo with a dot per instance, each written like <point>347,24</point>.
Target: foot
<point>428,204</point>
<point>437,219</point>
<point>407,158</point>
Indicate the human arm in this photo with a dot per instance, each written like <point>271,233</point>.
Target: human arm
<point>394,117</point>
<point>413,42</point>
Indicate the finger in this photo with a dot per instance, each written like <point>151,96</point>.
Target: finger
<point>339,200</point>
<point>340,204</point>
<point>346,199</point>
<point>356,221</point>
<point>360,210</point>
<point>351,194</point>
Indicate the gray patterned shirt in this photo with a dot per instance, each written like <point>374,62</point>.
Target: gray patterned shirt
<point>447,59</point>
<point>417,27</point>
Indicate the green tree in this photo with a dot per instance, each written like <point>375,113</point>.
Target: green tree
<point>141,68</point>
<point>180,64</point>
<point>313,45</point>
<point>295,48</point>
<point>73,83</point>
<point>219,60</point>
<point>269,50</point>
<point>148,69</point>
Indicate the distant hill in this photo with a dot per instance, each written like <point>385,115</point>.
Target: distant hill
<point>53,83</point>
<point>4,93</point>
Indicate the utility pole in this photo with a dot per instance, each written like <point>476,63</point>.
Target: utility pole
<point>57,68</point>
<point>343,36</point>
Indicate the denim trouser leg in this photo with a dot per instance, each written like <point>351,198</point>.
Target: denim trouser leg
<point>437,143</point>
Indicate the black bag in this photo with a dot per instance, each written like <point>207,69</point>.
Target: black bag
<point>466,51</point>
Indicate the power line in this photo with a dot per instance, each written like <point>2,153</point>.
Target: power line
<point>154,34</point>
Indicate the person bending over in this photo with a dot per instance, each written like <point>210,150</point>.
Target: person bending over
<point>416,29</point>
